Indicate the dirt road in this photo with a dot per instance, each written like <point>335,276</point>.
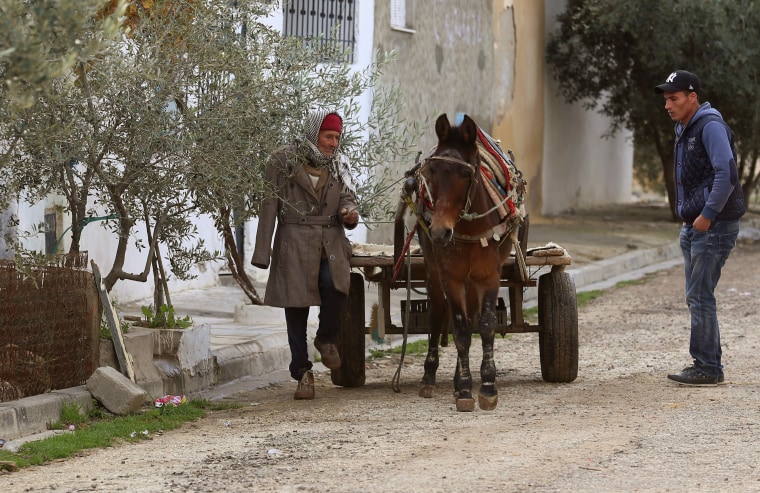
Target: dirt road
<point>619,427</point>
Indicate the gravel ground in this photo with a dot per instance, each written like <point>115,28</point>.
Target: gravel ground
<point>621,426</point>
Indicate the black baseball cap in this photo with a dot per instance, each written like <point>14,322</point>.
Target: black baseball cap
<point>680,80</point>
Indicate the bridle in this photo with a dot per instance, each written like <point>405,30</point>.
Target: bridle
<point>464,214</point>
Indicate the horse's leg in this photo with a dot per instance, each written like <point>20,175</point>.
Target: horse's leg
<point>456,382</point>
<point>462,340</point>
<point>488,396</point>
<point>436,312</point>
<point>457,370</point>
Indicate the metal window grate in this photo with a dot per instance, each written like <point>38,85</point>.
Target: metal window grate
<point>51,233</point>
<point>309,19</point>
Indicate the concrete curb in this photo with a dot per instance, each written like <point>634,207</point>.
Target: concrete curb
<point>629,263</point>
<point>606,273</point>
<point>257,357</point>
<point>32,415</point>
<point>266,351</point>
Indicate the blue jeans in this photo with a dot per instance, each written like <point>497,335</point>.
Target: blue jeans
<point>704,254</point>
<point>330,313</point>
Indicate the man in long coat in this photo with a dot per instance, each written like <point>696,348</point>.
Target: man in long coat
<point>314,203</point>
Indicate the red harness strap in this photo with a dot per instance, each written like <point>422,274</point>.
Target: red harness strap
<point>400,260</point>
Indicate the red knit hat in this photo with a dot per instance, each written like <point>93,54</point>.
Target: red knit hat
<point>332,122</point>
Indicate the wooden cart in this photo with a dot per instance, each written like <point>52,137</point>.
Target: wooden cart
<point>557,309</point>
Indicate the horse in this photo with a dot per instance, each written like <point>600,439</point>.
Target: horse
<point>465,241</point>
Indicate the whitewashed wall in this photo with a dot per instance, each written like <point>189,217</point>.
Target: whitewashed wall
<point>101,245</point>
<point>29,216</point>
<point>7,229</point>
<point>581,167</point>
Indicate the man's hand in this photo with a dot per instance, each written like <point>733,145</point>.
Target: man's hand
<point>350,217</point>
<point>702,224</point>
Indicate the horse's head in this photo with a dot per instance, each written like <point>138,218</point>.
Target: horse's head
<point>449,174</point>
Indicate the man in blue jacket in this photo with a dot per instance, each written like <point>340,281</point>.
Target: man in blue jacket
<point>710,201</point>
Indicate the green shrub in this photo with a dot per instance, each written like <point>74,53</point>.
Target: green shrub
<point>164,318</point>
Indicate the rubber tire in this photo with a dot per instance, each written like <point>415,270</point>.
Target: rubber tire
<point>351,341</point>
<point>558,319</point>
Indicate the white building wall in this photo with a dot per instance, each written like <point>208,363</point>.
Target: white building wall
<point>100,243</point>
<point>581,167</point>
<point>29,217</point>
<point>7,229</point>
<point>31,222</point>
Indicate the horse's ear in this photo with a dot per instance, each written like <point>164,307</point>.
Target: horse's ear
<point>442,127</point>
<point>469,130</point>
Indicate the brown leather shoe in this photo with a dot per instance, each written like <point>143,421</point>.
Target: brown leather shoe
<point>305,389</point>
<point>329,354</point>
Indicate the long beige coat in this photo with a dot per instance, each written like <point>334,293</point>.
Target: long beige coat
<point>297,249</point>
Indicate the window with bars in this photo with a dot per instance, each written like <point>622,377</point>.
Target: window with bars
<point>331,19</point>
<point>401,13</point>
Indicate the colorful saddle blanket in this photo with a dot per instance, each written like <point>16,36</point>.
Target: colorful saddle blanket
<point>503,179</point>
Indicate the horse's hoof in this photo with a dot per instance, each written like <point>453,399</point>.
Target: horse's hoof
<point>466,405</point>
<point>488,402</point>
<point>426,391</point>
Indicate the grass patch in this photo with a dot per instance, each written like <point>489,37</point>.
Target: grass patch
<point>587,296</point>
<point>99,430</point>
<point>632,282</point>
<point>71,415</point>
<point>416,347</point>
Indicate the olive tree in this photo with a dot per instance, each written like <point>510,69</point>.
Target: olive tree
<point>179,118</point>
<point>44,39</point>
<point>41,41</point>
<point>609,55</point>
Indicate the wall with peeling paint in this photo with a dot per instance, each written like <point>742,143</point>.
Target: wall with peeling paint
<point>444,58</point>
<point>486,58</point>
<point>519,115</point>
<point>560,148</point>
<point>445,64</point>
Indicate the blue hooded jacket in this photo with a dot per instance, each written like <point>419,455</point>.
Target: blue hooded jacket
<point>707,179</point>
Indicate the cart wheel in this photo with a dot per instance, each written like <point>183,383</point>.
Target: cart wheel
<point>351,338</point>
<point>558,318</point>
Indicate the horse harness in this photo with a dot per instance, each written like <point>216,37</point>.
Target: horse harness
<point>498,233</point>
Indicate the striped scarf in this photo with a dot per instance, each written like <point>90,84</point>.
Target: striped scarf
<point>338,163</point>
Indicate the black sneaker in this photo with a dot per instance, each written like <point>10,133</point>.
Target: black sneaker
<point>695,377</point>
